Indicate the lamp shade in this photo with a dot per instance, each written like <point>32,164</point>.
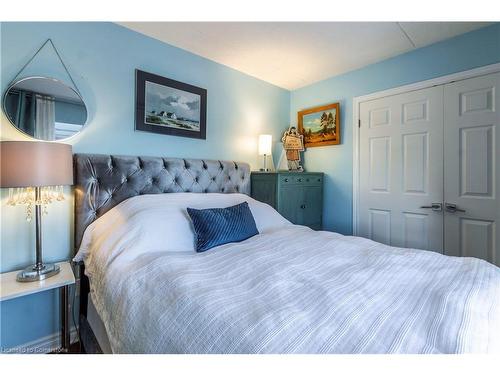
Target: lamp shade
<point>31,164</point>
<point>265,144</point>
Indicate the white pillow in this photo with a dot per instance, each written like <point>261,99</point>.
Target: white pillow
<point>160,222</point>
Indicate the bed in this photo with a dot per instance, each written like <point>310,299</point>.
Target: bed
<point>288,289</point>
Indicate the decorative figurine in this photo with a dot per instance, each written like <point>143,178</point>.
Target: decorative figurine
<point>293,143</point>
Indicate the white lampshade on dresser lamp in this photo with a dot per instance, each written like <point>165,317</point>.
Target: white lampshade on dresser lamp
<point>265,146</point>
<point>35,173</point>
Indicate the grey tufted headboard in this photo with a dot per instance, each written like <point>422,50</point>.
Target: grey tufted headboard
<point>103,181</point>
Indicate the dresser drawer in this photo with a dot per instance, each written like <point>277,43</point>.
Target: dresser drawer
<point>317,179</point>
<point>309,179</point>
<point>301,179</point>
<point>287,179</point>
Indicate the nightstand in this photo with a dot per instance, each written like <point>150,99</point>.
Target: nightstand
<point>11,288</point>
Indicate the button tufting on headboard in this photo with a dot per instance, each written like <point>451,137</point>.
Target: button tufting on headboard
<point>103,181</point>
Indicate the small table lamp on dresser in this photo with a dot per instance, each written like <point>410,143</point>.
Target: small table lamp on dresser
<point>265,148</point>
<point>35,172</point>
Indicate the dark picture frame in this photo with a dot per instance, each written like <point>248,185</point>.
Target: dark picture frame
<point>320,126</point>
<point>166,106</point>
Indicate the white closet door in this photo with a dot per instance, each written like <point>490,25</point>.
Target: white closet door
<point>472,168</point>
<point>401,169</point>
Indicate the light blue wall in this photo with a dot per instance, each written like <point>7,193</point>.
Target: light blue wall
<point>102,58</point>
<point>471,50</point>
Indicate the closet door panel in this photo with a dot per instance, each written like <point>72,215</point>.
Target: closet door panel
<point>401,169</point>
<point>472,168</point>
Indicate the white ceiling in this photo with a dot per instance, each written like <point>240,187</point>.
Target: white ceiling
<point>295,54</point>
<point>48,86</point>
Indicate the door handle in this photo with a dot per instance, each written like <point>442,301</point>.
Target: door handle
<point>434,206</point>
<point>303,206</point>
<point>451,207</point>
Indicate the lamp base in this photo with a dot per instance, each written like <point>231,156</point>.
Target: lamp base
<point>34,273</point>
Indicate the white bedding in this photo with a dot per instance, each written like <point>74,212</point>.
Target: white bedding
<point>286,290</point>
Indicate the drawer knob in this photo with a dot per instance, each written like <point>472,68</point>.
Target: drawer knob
<point>286,179</point>
<point>303,206</point>
<point>300,180</point>
<point>307,180</point>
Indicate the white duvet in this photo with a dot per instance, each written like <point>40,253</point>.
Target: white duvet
<point>287,290</point>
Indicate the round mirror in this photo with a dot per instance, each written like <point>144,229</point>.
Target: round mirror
<point>45,108</point>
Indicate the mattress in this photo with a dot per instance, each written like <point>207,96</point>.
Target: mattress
<point>320,293</point>
<point>98,327</point>
<point>286,290</point>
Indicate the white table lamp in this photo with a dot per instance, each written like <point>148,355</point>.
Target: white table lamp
<point>35,172</point>
<point>265,148</point>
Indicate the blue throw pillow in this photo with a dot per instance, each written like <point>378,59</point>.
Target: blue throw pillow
<point>217,226</point>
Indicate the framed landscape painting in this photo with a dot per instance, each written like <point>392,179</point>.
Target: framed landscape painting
<point>165,106</point>
<point>320,126</point>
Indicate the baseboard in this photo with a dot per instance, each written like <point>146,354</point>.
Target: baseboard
<point>42,345</point>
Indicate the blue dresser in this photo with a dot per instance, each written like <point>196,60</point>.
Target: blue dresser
<point>298,196</point>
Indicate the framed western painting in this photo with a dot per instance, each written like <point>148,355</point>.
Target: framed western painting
<point>165,106</point>
<point>320,126</point>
